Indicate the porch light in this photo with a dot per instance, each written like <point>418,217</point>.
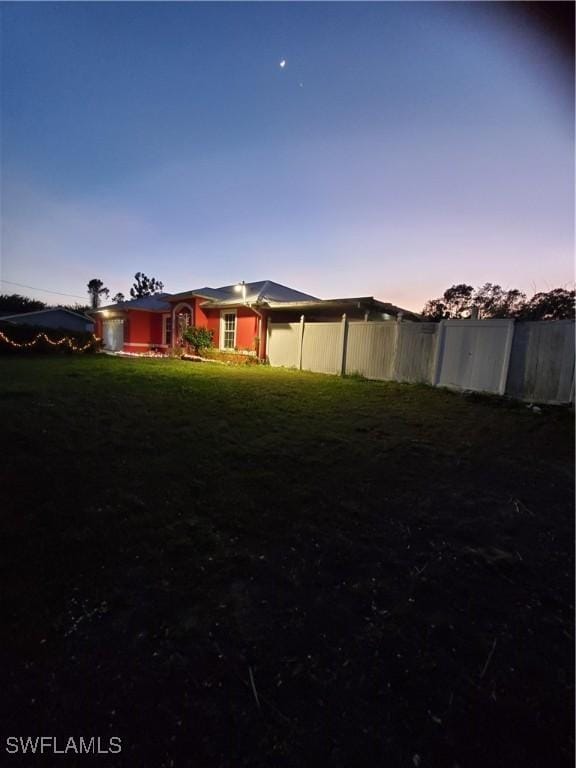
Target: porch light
<point>241,287</point>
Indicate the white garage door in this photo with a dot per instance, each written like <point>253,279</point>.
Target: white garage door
<point>113,334</point>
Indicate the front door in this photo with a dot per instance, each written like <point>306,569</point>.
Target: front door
<point>183,322</point>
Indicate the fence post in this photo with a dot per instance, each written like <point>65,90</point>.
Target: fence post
<point>439,353</point>
<point>344,339</point>
<point>300,341</point>
<point>506,361</point>
<point>394,366</point>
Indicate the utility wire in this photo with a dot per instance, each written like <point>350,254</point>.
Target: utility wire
<point>44,290</point>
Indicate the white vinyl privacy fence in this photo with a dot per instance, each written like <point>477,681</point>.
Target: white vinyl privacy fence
<point>474,354</point>
<point>526,360</point>
<point>542,362</point>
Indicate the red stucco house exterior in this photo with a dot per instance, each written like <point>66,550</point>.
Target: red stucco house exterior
<point>238,315</point>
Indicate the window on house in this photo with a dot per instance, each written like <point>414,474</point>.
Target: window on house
<point>168,331</point>
<point>229,328</point>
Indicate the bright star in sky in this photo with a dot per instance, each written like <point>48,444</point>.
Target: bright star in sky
<point>282,63</point>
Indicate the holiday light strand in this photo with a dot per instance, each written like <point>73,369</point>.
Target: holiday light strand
<point>65,340</point>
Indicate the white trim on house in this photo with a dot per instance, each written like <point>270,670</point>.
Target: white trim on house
<point>182,305</point>
<point>223,313</point>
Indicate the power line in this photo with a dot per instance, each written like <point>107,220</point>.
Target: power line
<point>44,290</point>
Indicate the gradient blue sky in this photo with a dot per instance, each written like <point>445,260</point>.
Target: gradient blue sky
<point>405,147</point>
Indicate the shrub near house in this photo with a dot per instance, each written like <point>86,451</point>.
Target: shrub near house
<point>201,341</point>
<point>199,338</point>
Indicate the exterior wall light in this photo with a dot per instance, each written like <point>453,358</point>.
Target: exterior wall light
<point>241,287</point>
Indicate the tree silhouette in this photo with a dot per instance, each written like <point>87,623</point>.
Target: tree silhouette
<point>455,302</point>
<point>493,301</point>
<point>96,289</point>
<point>145,286</point>
<point>118,298</point>
<point>558,304</point>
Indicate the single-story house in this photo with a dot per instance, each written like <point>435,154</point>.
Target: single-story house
<point>238,316</point>
<point>57,318</point>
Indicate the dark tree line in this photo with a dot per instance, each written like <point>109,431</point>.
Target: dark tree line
<point>493,301</point>
<point>460,301</point>
<point>15,304</point>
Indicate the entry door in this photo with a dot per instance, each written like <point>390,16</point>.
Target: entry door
<point>113,333</point>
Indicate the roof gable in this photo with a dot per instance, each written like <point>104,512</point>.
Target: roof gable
<point>156,302</point>
<point>259,292</point>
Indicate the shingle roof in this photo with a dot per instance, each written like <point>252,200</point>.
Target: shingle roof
<point>46,310</point>
<point>275,295</point>
<point>157,302</point>
<point>355,303</point>
<point>256,293</point>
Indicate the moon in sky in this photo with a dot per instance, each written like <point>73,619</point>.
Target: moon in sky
<point>282,63</point>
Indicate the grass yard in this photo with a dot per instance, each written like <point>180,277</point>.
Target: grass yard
<point>255,567</point>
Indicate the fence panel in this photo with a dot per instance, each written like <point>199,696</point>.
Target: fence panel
<point>415,350</point>
<point>527,360</point>
<point>542,362</point>
<point>322,347</point>
<point>283,344</point>
<point>370,349</point>
<point>474,354</point>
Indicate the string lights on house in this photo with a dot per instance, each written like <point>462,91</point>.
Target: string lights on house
<point>66,340</point>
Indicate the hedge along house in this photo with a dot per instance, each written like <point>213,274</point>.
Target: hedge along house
<point>236,314</point>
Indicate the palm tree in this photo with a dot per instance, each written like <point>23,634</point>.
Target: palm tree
<point>96,289</point>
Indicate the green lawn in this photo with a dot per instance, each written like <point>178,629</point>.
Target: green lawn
<point>387,568</point>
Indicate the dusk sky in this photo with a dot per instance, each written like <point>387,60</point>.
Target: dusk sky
<point>403,147</point>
